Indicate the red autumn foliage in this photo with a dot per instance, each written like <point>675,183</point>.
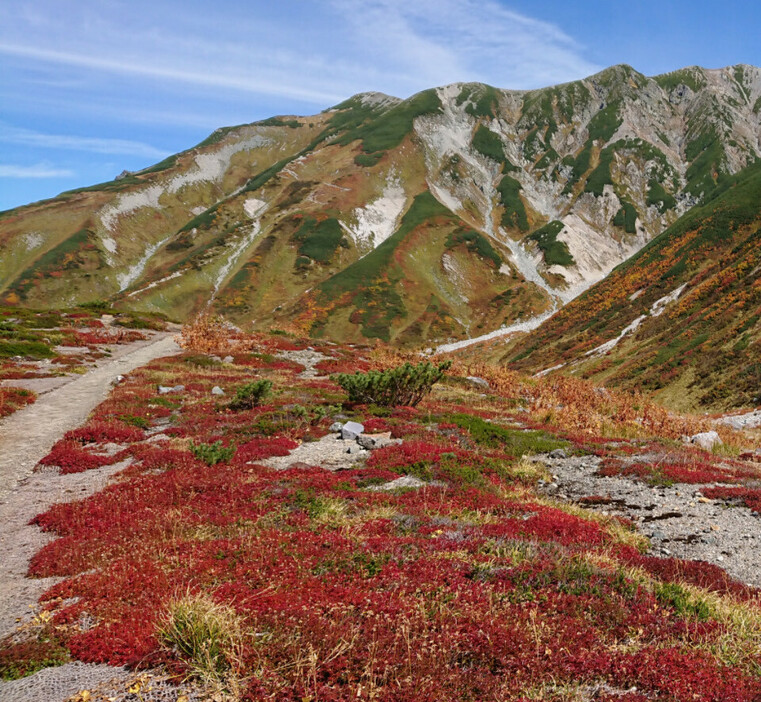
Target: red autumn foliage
<point>468,588</point>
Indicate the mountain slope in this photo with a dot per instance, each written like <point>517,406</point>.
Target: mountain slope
<point>681,318</point>
<point>443,216</point>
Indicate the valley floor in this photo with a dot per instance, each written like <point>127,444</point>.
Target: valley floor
<point>467,548</point>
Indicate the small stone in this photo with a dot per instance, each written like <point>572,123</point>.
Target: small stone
<point>351,430</point>
<point>228,359</point>
<point>558,453</point>
<point>336,426</point>
<point>163,389</point>
<point>118,379</point>
<point>353,448</point>
<point>706,440</point>
<point>405,481</point>
<point>372,442</point>
<point>216,390</point>
<point>478,382</point>
<point>216,358</point>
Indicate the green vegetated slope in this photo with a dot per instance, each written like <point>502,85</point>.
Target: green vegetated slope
<point>700,350</point>
<point>435,277</point>
<point>388,219</point>
<point>90,243</point>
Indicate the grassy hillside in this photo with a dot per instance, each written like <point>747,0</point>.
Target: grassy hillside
<point>393,219</point>
<point>700,350</point>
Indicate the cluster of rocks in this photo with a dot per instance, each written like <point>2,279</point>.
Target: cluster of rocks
<point>749,420</point>
<point>164,390</point>
<point>353,432</point>
<point>343,449</point>
<point>219,359</point>
<point>705,440</point>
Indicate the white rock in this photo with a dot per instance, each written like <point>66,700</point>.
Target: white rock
<point>706,440</point>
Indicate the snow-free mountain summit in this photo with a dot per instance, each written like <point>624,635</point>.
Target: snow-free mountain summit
<point>444,216</point>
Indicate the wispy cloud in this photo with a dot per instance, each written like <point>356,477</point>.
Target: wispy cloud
<point>317,53</point>
<point>239,82</point>
<point>453,40</point>
<point>40,170</point>
<point>118,147</point>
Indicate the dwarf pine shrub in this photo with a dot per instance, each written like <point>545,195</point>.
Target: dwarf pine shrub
<point>250,395</point>
<point>404,385</point>
<point>211,454</point>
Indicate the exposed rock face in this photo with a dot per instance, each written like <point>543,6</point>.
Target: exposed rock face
<point>439,217</point>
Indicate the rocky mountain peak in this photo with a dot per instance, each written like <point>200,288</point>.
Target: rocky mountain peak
<point>448,215</point>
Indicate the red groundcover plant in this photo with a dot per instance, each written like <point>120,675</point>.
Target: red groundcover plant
<point>471,587</point>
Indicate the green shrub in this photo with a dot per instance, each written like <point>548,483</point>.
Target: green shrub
<point>555,252</point>
<point>486,142</point>
<point>251,394</point>
<point>517,442</point>
<point>31,349</point>
<point>368,160</point>
<point>404,385</point>
<point>515,211</point>
<point>318,240</point>
<point>211,454</point>
<point>202,361</point>
<point>135,421</point>
<point>626,217</point>
<point>476,243</point>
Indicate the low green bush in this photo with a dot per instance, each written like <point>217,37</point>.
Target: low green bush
<point>404,385</point>
<point>211,454</point>
<point>251,394</point>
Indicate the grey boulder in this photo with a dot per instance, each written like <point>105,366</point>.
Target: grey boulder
<point>351,430</point>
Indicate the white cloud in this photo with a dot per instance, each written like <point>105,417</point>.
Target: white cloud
<point>40,170</point>
<point>27,137</point>
<point>230,79</point>
<point>315,52</point>
<point>472,40</point>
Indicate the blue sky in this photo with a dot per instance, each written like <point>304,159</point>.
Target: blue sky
<point>91,87</point>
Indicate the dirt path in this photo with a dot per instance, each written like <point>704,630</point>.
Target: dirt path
<point>27,435</point>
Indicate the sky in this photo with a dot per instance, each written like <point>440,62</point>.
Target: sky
<point>89,88</point>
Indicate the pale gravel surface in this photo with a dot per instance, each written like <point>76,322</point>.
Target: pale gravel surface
<point>58,684</point>
<point>25,437</point>
<point>29,434</point>
<point>678,520</point>
<point>330,453</point>
<point>308,358</point>
<point>19,540</point>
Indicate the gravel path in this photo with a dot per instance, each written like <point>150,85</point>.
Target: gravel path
<point>25,437</point>
<point>678,520</point>
<point>29,434</point>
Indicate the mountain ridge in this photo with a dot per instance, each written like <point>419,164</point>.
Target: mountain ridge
<point>548,191</point>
